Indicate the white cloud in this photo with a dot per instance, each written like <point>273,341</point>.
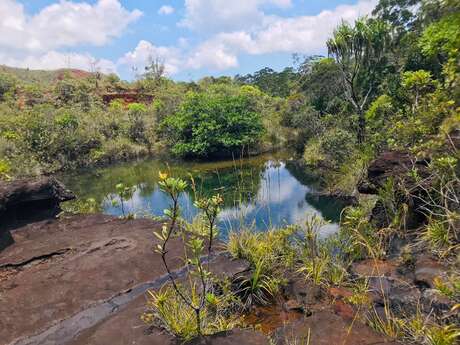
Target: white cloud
<point>214,54</point>
<point>166,10</point>
<point>55,60</point>
<point>273,34</point>
<point>63,24</point>
<point>33,41</point>
<point>224,15</point>
<point>145,50</point>
<point>303,34</point>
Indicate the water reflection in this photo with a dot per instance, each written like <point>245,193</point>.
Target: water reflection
<point>261,192</point>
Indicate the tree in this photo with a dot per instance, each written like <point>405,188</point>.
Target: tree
<point>359,51</point>
<point>155,70</point>
<point>400,13</point>
<point>271,82</point>
<point>213,124</point>
<point>320,81</point>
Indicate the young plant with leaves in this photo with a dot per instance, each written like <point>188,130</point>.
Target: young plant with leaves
<point>193,298</point>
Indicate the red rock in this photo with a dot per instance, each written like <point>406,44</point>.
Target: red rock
<point>343,309</point>
<point>427,269</point>
<point>375,268</point>
<point>339,292</point>
<point>61,268</point>
<point>326,328</point>
<point>292,305</point>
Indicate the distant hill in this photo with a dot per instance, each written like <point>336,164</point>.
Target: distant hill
<point>41,76</point>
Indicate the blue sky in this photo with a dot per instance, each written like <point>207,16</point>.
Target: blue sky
<point>194,38</point>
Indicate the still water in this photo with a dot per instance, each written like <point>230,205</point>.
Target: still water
<point>259,192</point>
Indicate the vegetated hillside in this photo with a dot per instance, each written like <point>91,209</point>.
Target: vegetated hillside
<point>26,75</point>
<point>58,120</point>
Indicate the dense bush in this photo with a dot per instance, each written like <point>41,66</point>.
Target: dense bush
<point>60,122</point>
<point>214,123</point>
<point>331,149</point>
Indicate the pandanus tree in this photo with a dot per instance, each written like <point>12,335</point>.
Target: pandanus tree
<point>359,51</point>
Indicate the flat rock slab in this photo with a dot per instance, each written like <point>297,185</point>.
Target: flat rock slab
<point>327,328</point>
<point>126,328</point>
<point>60,268</point>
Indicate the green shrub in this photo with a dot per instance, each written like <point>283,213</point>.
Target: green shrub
<point>7,85</point>
<point>331,149</point>
<point>212,124</point>
<point>5,169</point>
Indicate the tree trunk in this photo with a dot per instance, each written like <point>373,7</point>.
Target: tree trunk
<point>361,126</point>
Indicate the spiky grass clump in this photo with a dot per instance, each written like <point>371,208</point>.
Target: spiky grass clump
<point>272,249</point>
<point>165,309</point>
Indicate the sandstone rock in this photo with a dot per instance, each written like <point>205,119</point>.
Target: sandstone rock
<point>435,302</point>
<point>82,279</point>
<point>270,318</point>
<point>21,199</point>
<point>302,291</point>
<point>224,266</point>
<point>343,309</point>
<point>340,292</point>
<point>390,164</point>
<point>235,336</point>
<point>292,305</point>
<point>403,298</point>
<point>396,165</point>
<point>373,268</point>
<point>326,328</point>
<point>426,270</point>
<point>58,270</point>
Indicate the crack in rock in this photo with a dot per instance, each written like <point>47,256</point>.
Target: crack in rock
<point>34,260</point>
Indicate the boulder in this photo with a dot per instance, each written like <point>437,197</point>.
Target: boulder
<point>427,270</point>
<point>390,164</point>
<point>303,292</point>
<point>225,267</point>
<point>31,198</point>
<point>435,302</point>
<point>397,165</point>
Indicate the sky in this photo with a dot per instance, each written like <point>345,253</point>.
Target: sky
<point>193,38</point>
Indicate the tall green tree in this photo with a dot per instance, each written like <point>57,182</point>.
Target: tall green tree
<point>359,51</point>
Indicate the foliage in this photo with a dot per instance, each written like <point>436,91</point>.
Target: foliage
<point>362,237</point>
<point>4,170</point>
<point>259,288</point>
<point>320,81</point>
<point>165,305</point>
<point>358,50</point>
<point>271,82</point>
<point>450,287</point>
<point>270,250</point>
<point>166,309</point>
<point>331,149</point>
<point>84,206</point>
<point>214,124</point>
